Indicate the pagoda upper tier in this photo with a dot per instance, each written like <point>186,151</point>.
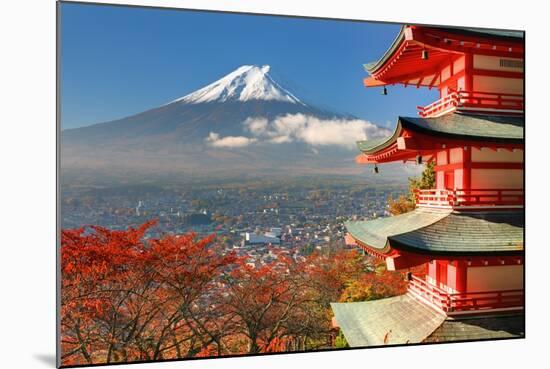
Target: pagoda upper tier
<point>474,70</point>
<point>478,158</point>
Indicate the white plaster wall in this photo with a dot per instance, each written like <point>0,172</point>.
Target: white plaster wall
<point>496,178</point>
<point>458,64</point>
<point>459,178</point>
<point>493,63</point>
<point>500,156</point>
<point>446,73</point>
<point>440,180</point>
<point>455,155</point>
<point>431,273</point>
<point>494,278</point>
<point>498,84</point>
<point>451,278</point>
<point>461,84</point>
<point>441,158</point>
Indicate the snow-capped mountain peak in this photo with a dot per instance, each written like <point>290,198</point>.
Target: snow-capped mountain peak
<point>248,82</point>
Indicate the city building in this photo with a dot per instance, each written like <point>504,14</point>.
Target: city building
<point>467,233</point>
<point>258,239</point>
<point>274,232</point>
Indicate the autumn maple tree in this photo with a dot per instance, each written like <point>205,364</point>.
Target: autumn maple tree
<point>126,296</point>
<point>124,299</point>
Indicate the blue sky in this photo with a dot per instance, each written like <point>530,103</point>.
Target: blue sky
<point>118,61</point>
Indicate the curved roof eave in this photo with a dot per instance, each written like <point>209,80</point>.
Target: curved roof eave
<point>376,234</point>
<point>374,145</point>
<point>372,67</point>
<point>512,36</point>
<point>453,126</point>
<point>444,232</point>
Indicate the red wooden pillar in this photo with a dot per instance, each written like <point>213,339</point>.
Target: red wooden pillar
<point>468,72</point>
<point>467,168</point>
<point>442,271</point>
<point>461,276</point>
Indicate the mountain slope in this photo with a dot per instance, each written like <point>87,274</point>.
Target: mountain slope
<point>207,132</point>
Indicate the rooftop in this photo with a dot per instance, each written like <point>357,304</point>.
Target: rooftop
<point>444,232</point>
<point>457,126</point>
<point>391,321</point>
<point>442,42</point>
<point>403,319</point>
<point>479,328</point>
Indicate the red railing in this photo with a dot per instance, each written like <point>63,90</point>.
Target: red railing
<point>473,100</point>
<point>466,302</point>
<point>474,197</point>
<point>439,107</point>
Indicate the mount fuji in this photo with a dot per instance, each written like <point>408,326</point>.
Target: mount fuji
<point>246,83</point>
<point>245,123</point>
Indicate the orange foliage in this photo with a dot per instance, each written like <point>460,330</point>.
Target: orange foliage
<point>375,285</point>
<point>127,298</point>
<point>123,299</point>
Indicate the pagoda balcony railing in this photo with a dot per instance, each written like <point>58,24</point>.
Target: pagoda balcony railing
<point>473,101</point>
<point>467,302</point>
<point>470,198</point>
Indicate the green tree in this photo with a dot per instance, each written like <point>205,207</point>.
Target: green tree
<point>340,341</point>
<point>404,203</point>
<point>426,180</point>
<point>308,249</point>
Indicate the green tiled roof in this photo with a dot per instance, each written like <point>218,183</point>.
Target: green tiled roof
<point>490,128</point>
<point>469,233</point>
<point>391,321</point>
<point>370,144</point>
<point>369,66</point>
<point>403,319</point>
<point>372,66</point>
<point>444,232</point>
<point>503,34</point>
<point>479,328</point>
<point>375,233</point>
<point>470,126</point>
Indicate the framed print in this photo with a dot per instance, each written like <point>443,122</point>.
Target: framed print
<point>249,184</point>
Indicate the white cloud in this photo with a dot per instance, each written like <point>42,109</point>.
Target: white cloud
<point>314,131</point>
<point>280,139</point>
<point>215,140</point>
<point>301,128</point>
<point>256,125</point>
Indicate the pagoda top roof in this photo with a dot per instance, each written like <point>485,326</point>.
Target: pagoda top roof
<point>504,35</point>
<point>493,33</point>
<point>458,126</point>
<point>444,232</point>
<point>442,42</point>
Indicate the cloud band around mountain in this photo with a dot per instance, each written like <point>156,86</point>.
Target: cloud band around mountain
<point>215,140</point>
<point>301,128</point>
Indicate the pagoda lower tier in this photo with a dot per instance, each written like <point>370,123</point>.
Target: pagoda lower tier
<point>471,282</point>
<point>462,253</point>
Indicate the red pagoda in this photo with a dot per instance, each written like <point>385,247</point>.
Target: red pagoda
<point>467,233</point>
